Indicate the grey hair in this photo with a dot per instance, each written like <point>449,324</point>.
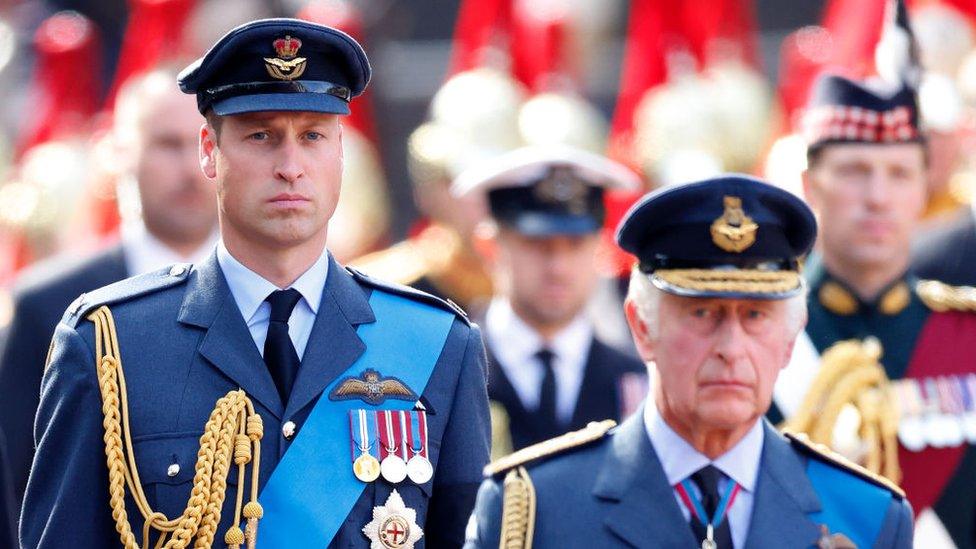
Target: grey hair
<point>647,298</point>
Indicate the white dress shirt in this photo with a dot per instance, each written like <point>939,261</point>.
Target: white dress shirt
<point>680,460</point>
<point>514,345</point>
<point>250,291</point>
<point>144,253</point>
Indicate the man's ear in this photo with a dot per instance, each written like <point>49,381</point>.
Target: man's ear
<point>639,331</point>
<point>809,187</point>
<point>208,151</point>
<point>484,240</point>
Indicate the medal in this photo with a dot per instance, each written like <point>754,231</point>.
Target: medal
<point>911,431</point>
<point>394,525</point>
<point>366,467</point>
<point>697,509</point>
<point>935,424</point>
<point>393,468</point>
<point>952,413</point>
<point>967,389</point>
<point>419,468</point>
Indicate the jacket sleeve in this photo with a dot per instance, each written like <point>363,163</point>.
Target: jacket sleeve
<point>897,531</point>
<point>484,528</point>
<point>464,448</point>
<point>67,491</point>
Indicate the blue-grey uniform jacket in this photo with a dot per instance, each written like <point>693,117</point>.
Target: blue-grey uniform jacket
<point>613,493</point>
<point>183,345</point>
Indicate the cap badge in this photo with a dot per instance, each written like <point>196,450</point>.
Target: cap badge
<point>562,187</point>
<point>394,525</point>
<point>287,66</point>
<point>734,231</point>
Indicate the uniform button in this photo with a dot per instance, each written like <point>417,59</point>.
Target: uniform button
<point>177,270</point>
<point>173,470</point>
<point>288,430</point>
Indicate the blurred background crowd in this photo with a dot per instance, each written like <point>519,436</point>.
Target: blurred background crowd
<point>675,89</point>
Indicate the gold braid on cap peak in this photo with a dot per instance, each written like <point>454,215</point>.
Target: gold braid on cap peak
<point>233,433</point>
<point>738,280</point>
<point>851,377</point>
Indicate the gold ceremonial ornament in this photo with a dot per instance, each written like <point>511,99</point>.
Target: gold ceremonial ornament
<point>287,66</point>
<point>734,231</point>
<point>852,383</point>
<point>366,467</point>
<point>232,435</point>
<point>561,186</point>
<point>562,119</point>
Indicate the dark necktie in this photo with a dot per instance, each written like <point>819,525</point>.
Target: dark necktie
<point>279,353</point>
<point>547,394</point>
<point>707,481</point>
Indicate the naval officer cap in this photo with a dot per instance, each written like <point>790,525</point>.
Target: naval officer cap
<point>547,190</point>
<point>730,236</point>
<point>278,65</point>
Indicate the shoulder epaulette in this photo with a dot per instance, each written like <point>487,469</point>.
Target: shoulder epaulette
<point>821,452</point>
<point>941,297</point>
<point>409,292</point>
<point>596,430</point>
<point>124,290</point>
<point>400,263</point>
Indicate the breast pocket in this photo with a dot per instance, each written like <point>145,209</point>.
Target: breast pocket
<point>167,468</point>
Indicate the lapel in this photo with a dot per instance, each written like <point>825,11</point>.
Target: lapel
<point>500,388</point>
<point>227,344</point>
<point>598,398</point>
<point>333,344</point>
<point>115,264</point>
<point>784,498</point>
<point>642,508</point>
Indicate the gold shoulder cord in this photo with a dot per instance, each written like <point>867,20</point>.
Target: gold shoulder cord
<point>518,511</point>
<point>233,431</point>
<point>851,376</point>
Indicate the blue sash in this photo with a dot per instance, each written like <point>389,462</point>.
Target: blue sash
<point>313,488</point>
<point>855,509</point>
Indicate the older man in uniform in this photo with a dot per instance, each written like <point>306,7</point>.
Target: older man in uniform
<point>154,138</point>
<point>866,179</point>
<point>343,412</point>
<point>548,372</point>
<point>715,302</point>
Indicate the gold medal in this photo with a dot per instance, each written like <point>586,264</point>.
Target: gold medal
<point>366,467</point>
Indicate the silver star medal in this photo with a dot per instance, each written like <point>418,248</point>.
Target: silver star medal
<point>394,525</point>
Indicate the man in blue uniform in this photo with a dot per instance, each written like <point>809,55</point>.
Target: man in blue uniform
<point>343,411</point>
<point>716,302</point>
<point>548,371</point>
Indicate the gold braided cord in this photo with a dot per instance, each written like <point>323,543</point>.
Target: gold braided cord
<point>732,280</point>
<point>851,377</point>
<point>518,511</point>
<point>232,433</point>
<point>943,297</point>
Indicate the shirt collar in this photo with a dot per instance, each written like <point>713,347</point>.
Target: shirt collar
<point>145,253</point>
<point>251,289</point>
<point>680,460</point>
<point>515,342</point>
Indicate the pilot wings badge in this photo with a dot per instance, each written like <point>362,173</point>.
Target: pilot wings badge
<point>734,231</point>
<point>372,388</point>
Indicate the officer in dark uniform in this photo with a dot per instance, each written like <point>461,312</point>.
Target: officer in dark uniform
<point>267,393</point>
<point>715,301</point>
<point>866,180</point>
<point>548,372</point>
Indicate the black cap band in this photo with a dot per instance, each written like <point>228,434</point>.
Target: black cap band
<point>211,95</point>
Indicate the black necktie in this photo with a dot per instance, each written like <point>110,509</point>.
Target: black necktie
<point>547,393</point>
<point>707,481</point>
<point>279,353</point>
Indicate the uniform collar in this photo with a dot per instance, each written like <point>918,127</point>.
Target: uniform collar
<point>250,289</point>
<point>514,342</point>
<point>837,297</point>
<point>680,460</point>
